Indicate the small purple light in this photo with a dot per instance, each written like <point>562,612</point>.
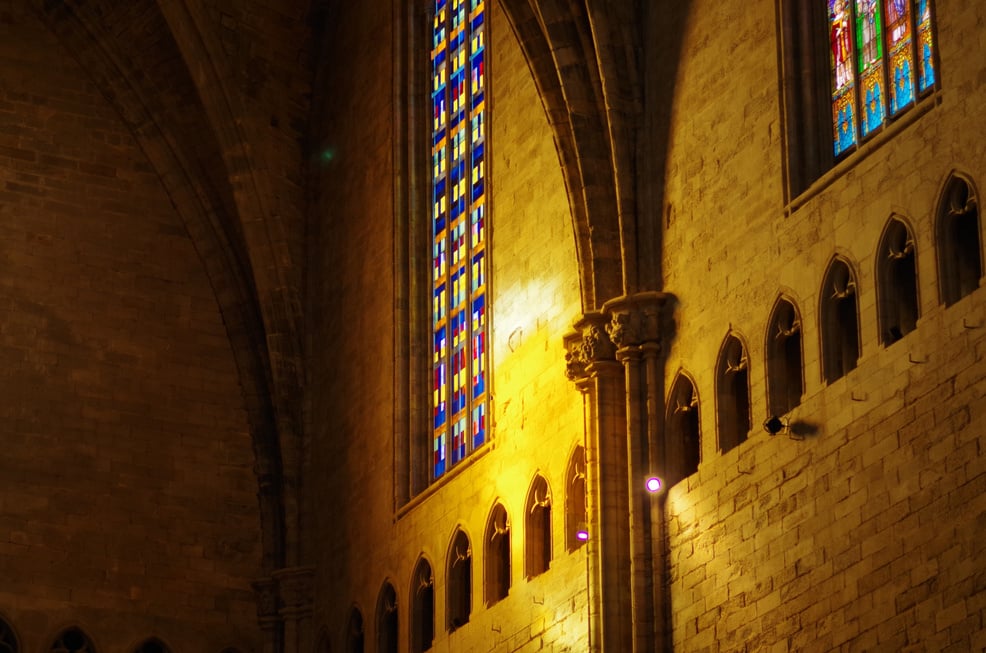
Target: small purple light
<point>653,484</point>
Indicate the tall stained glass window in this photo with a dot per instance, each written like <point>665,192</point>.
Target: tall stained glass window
<point>881,60</point>
<point>458,227</point>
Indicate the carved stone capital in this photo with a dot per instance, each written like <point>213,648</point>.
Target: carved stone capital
<point>587,344</point>
<point>634,320</point>
<point>286,596</point>
<point>296,589</point>
<point>267,602</point>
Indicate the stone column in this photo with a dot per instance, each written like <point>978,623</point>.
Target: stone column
<point>593,368</point>
<point>284,610</point>
<point>635,328</point>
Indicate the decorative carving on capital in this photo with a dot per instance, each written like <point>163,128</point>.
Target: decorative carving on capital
<point>296,588</point>
<point>267,601</point>
<point>588,344</point>
<point>635,320</point>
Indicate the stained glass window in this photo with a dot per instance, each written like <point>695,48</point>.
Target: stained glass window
<point>874,45</point>
<point>458,228</point>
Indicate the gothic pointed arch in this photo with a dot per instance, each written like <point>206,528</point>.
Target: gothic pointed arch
<point>458,574</point>
<point>72,640</point>
<point>387,619</point>
<point>152,645</point>
<point>537,528</point>
<point>784,350</point>
<point>496,555</point>
<point>355,637</point>
<point>422,606</point>
<point>576,512</point>
<point>9,642</point>
<point>683,437</point>
<point>958,231</point>
<point>898,308</point>
<point>733,393</point>
<point>839,320</point>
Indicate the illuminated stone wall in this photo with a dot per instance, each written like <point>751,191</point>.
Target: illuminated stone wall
<point>536,411</point>
<point>866,533</point>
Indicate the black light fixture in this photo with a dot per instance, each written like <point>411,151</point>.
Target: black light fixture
<point>774,425</point>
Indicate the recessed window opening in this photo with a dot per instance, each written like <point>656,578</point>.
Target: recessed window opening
<point>839,322</point>
<point>354,632</point>
<point>8,640</point>
<point>387,620</point>
<point>151,646</point>
<point>959,253</point>
<point>785,377</point>
<point>682,430</point>
<point>497,562</point>
<point>733,394</point>
<point>897,285</point>
<point>576,515</point>
<point>459,582</point>
<point>72,640</point>
<point>537,531</point>
<point>422,607</point>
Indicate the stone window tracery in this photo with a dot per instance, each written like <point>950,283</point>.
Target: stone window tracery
<point>897,283</point>
<point>850,68</point>
<point>387,620</point>
<point>72,640</point>
<point>497,555</point>
<point>8,640</point>
<point>459,575</point>
<point>422,607</point>
<point>733,393</point>
<point>683,442</point>
<point>839,316</point>
<point>959,240</point>
<point>354,632</point>
<point>785,358</point>
<point>537,530</point>
<point>576,514</point>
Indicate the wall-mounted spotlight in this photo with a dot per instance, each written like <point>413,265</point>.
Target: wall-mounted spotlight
<point>582,532</point>
<point>774,425</point>
<point>653,484</point>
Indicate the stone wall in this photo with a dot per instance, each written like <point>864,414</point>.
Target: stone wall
<point>128,500</point>
<point>365,539</point>
<point>864,531</point>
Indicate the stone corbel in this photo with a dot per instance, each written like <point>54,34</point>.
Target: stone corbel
<point>588,345</point>
<point>295,586</point>
<point>635,320</point>
<point>268,602</point>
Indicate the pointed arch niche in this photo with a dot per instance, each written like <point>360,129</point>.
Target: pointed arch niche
<point>355,639</point>
<point>960,262</point>
<point>422,607</point>
<point>72,640</point>
<point>387,620</point>
<point>576,515</point>
<point>497,555</point>
<point>897,282</point>
<point>537,528</point>
<point>458,571</point>
<point>152,645</point>
<point>732,393</point>
<point>839,317</point>
<point>682,430</point>
<point>784,348</point>
<point>8,638</point>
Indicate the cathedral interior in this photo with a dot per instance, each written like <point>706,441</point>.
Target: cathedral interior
<point>492,325</point>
